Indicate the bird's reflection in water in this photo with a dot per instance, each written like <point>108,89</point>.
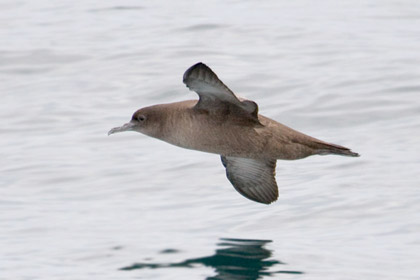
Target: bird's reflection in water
<point>235,259</point>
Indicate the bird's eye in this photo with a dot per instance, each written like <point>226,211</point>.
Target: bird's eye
<point>141,118</point>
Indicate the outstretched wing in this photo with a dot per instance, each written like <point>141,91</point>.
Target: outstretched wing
<point>215,95</point>
<point>252,178</point>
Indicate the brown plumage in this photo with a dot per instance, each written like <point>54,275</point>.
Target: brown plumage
<point>221,123</point>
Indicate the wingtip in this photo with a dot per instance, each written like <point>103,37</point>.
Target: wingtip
<point>199,64</point>
<point>350,153</point>
<point>187,73</point>
<point>264,201</point>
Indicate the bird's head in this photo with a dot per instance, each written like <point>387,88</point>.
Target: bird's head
<point>146,120</point>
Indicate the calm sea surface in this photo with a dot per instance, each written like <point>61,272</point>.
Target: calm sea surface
<point>77,204</point>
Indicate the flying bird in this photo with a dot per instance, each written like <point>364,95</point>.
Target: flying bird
<point>221,123</point>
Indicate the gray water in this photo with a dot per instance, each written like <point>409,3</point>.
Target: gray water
<point>77,204</point>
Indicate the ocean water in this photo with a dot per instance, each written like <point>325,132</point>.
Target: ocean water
<point>77,204</point>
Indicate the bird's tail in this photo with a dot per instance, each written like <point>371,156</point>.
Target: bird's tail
<point>328,148</point>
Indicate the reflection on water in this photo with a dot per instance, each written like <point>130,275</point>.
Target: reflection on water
<point>235,259</point>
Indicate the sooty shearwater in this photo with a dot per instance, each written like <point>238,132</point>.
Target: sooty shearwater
<point>221,123</point>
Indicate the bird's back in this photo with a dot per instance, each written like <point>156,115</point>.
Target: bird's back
<point>225,134</point>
